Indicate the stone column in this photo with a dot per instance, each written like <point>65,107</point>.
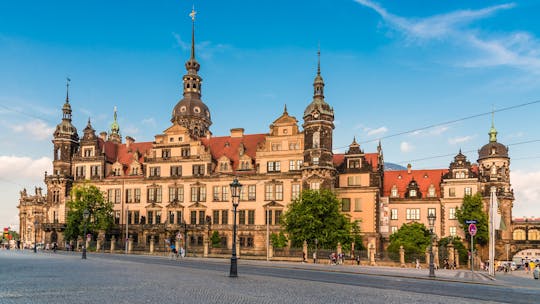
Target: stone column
<point>339,248</point>
<point>79,241</point>
<point>113,243</point>
<point>130,244</point>
<point>456,257</point>
<point>372,255</point>
<point>205,248</point>
<point>270,251</point>
<point>152,244</point>
<point>98,245</point>
<point>402,256</point>
<point>352,250</point>
<point>450,250</point>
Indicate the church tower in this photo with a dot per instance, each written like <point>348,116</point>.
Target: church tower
<point>494,171</point>
<point>115,136</point>
<point>65,140</point>
<point>191,112</point>
<point>318,170</point>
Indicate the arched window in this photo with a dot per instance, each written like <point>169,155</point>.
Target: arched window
<point>534,235</point>
<point>316,139</point>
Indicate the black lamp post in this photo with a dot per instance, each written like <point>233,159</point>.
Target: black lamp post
<point>431,221</point>
<point>35,235</point>
<point>86,213</point>
<point>236,188</point>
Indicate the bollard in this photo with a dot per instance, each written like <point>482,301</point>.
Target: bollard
<point>152,244</point>
<point>402,256</point>
<point>130,244</point>
<point>113,243</point>
<point>450,249</point>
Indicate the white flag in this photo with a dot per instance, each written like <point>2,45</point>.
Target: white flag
<point>496,213</point>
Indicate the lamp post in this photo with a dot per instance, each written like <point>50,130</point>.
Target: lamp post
<point>86,213</point>
<point>316,249</point>
<point>35,235</point>
<point>431,221</point>
<point>236,187</point>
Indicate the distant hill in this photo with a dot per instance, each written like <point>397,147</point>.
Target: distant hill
<point>393,167</point>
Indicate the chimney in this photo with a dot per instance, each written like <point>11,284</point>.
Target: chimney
<point>129,141</point>
<point>103,136</point>
<point>409,168</point>
<point>237,132</point>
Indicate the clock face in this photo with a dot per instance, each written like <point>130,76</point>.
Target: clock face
<point>316,114</point>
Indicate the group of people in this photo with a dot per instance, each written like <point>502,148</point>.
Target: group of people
<point>175,253</point>
<point>336,259</point>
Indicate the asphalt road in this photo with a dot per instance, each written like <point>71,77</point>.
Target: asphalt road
<point>65,278</point>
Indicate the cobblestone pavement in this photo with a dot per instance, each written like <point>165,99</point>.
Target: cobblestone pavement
<point>65,278</point>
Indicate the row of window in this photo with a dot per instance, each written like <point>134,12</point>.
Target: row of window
<point>531,235</point>
<point>176,171</point>
<point>346,204</point>
<point>275,166</point>
<point>245,217</point>
<point>452,230</point>
<point>431,191</point>
<point>414,213</point>
<point>80,171</point>
<point>292,145</point>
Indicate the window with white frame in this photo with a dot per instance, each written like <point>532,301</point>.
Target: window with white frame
<point>431,191</point>
<point>393,229</point>
<point>273,191</point>
<point>176,194</point>
<point>353,180</point>
<point>357,204</point>
<point>413,213</point>
<point>393,214</point>
<point>431,211</point>
<point>394,191</point>
<point>452,213</point>
<point>314,185</point>
<point>295,191</point>
<point>468,191</point>
<point>453,231</point>
<point>273,166</point>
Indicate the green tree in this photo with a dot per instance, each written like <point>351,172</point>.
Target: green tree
<point>316,215</point>
<point>278,240</point>
<point>473,209</point>
<point>414,238</point>
<point>215,239</point>
<point>458,244</point>
<point>87,197</point>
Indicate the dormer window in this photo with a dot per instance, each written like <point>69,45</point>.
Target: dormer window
<point>394,191</point>
<point>460,174</point>
<point>87,152</point>
<point>224,166</point>
<point>431,191</point>
<point>412,193</point>
<point>354,163</point>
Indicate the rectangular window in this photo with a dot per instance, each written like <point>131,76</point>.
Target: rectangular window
<point>295,191</point>
<point>110,195</point>
<point>251,217</point>
<point>224,193</point>
<point>453,231</point>
<point>452,213</point>
<point>137,195</point>
<point>198,170</point>
<point>268,217</point>
<point>94,171</point>
<point>155,171</point>
<point>136,217</point>
<point>129,195</point>
<point>345,204</point>
<point>193,218</point>
<point>393,229</point>
<point>242,217</point>
<point>176,171</point>
<point>452,192</point>
<point>394,192</point>
<point>292,165</point>
<point>252,190</point>
<point>117,217</point>
<point>171,217</point>
<point>216,195</point>
<point>279,192</point>
<point>273,166</point>
<point>394,214</point>
<point>314,186</point>
<point>215,217</point>
<point>431,211</point>
<point>150,216</point>
<point>87,152</point>
<point>166,153</point>
<point>268,192</point>
<point>179,217</point>
<point>357,204</point>
<point>224,217</point>
<point>277,216</point>
<point>413,214</point>
<point>158,217</point>
<point>198,194</point>
<point>185,151</point>
<point>353,181</point>
<point>468,191</point>
<point>117,196</point>
<point>201,217</point>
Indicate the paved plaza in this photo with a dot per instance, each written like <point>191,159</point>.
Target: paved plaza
<point>103,278</point>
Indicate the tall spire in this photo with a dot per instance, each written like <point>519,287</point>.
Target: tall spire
<point>66,109</point>
<point>115,129</point>
<point>67,89</point>
<point>319,60</point>
<point>318,83</point>
<point>192,15</point>
<point>492,132</point>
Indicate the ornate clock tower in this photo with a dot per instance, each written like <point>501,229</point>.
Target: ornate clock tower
<point>318,170</point>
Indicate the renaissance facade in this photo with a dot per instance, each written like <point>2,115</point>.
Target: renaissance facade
<point>179,182</point>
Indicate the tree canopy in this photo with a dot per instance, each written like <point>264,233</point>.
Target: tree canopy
<point>316,215</point>
<point>87,197</point>
<point>278,240</point>
<point>414,237</point>
<point>473,209</point>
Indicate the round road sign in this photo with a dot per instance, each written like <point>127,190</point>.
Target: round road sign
<point>472,229</point>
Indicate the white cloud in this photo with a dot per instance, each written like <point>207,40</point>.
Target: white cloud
<point>516,49</point>
<point>458,140</point>
<point>36,128</point>
<point>406,147</point>
<point>377,131</point>
<point>527,193</point>
<point>438,130</point>
<point>203,49</point>
<point>24,168</point>
<point>151,121</point>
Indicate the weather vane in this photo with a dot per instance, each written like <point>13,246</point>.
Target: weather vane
<point>193,13</point>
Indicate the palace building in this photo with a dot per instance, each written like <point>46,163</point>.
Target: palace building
<point>179,182</point>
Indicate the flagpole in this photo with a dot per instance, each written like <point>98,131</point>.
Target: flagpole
<point>492,232</point>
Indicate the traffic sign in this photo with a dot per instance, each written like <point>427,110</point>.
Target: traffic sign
<point>471,222</point>
<point>472,229</point>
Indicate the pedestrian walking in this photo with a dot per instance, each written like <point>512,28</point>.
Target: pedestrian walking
<point>536,272</point>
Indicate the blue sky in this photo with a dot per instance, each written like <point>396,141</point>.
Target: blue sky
<point>389,67</point>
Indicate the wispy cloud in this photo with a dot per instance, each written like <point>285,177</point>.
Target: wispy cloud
<point>380,130</point>
<point>458,140</point>
<point>36,128</point>
<point>406,147</point>
<point>151,121</point>
<point>516,49</point>
<point>24,167</point>
<point>203,49</point>
<point>527,192</point>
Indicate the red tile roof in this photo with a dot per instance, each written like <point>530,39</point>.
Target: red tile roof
<point>228,146</point>
<point>528,219</point>
<point>424,178</point>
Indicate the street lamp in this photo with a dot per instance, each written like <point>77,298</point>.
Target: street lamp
<point>86,213</point>
<point>431,220</point>
<point>35,235</point>
<point>316,249</point>
<point>236,188</point>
